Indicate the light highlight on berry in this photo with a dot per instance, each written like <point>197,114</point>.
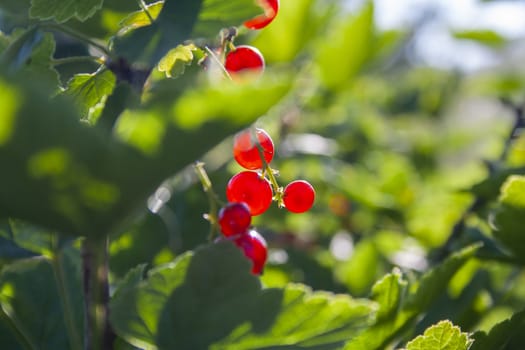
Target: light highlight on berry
<point>246,152</point>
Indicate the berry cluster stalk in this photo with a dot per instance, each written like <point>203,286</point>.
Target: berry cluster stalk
<point>268,170</point>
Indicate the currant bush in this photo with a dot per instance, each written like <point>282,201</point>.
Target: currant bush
<point>246,152</point>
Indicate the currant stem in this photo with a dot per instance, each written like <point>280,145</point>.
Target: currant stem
<point>76,59</point>
<point>218,62</point>
<point>144,8</point>
<point>213,199</point>
<point>267,169</point>
<point>77,35</point>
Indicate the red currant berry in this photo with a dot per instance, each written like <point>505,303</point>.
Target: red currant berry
<point>234,218</point>
<point>250,188</point>
<point>254,248</point>
<point>244,58</point>
<point>246,152</point>
<point>271,7</point>
<point>298,196</point>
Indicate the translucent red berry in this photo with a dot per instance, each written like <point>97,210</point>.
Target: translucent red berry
<point>298,196</point>
<point>250,188</point>
<point>254,247</point>
<point>234,218</point>
<point>244,59</point>
<point>270,7</point>
<point>246,152</point>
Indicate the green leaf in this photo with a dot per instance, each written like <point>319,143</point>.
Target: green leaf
<point>30,237</point>
<point>388,292</point>
<point>139,19</point>
<point>4,42</point>
<point>500,334</point>
<point>88,183</point>
<point>442,336</point>
<point>88,90</point>
<point>177,22</point>
<point>63,10</point>
<point>218,14</point>
<point>30,52</point>
<point>9,250</point>
<point>420,296</point>
<point>346,47</point>
<point>489,188</point>
<point>485,37</point>
<point>188,305</point>
<point>175,61</point>
<point>509,215</point>
<point>291,30</point>
<point>38,317</point>
<point>432,284</point>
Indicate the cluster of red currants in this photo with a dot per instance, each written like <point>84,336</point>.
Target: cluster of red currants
<point>251,193</point>
<point>245,58</point>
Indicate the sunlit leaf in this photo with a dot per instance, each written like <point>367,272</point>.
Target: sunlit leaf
<point>509,215</point>
<point>442,336</point>
<point>175,61</point>
<point>87,90</point>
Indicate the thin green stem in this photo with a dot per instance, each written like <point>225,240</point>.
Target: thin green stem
<point>60,277</point>
<point>218,62</point>
<point>77,35</point>
<point>144,8</point>
<point>76,59</point>
<point>278,190</point>
<point>97,330</point>
<point>213,199</point>
<point>20,334</point>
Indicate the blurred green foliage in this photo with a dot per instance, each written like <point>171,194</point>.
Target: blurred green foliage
<point>410,165</point>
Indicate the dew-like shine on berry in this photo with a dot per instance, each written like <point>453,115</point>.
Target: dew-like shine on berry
<point>298,196</point>
<point>246,152</point>
<point>252,189</point>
